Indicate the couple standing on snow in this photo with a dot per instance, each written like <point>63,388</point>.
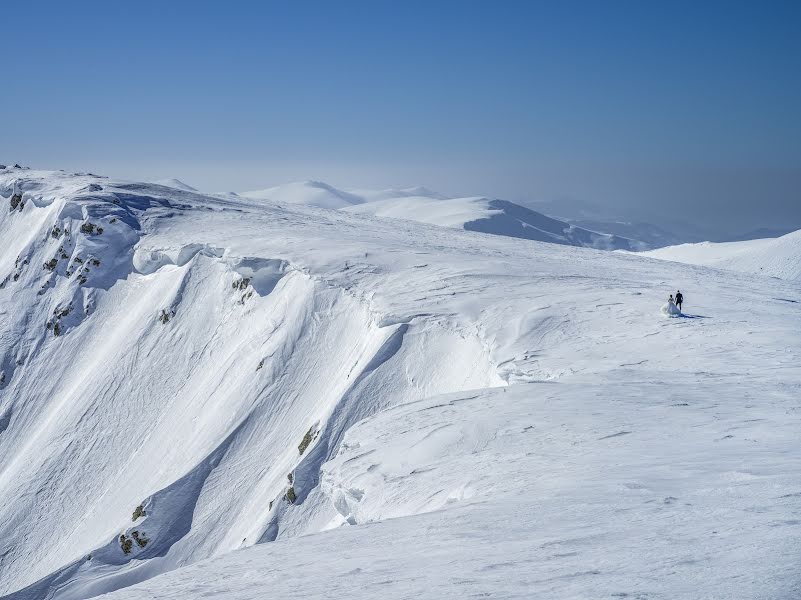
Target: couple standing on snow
<point>677,302</point>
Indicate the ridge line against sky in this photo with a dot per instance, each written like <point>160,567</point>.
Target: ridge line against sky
<point>690,110</point>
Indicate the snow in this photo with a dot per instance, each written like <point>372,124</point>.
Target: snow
<point>448,212</point>
<point>775,257</point>
<point>478,414</point>
<point>544,490</point>
<point>310,193</point>
<point>175,183</point>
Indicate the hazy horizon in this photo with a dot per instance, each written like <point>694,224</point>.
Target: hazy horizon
<point>688,112</point>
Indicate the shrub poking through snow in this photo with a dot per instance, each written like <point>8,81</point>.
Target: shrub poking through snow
<point>290,495</point>
<point>126,543</point>
<point>60,313</point>
<point>241,284</point>
<point>90,228</point>
<point>311,434</point>
<point>139,511</point>
<point>16,202</point>
<point>140,539</point>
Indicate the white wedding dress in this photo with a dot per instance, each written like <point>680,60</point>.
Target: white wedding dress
<point>670,309</point>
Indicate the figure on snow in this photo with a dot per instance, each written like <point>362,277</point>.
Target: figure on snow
<point>670,308</point>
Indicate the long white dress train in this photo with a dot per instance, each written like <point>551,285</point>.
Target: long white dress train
<point>670,309</point>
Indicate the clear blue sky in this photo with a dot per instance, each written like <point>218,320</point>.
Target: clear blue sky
<point>635,105</point>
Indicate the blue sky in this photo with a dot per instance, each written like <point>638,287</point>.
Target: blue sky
<point>687,107</point>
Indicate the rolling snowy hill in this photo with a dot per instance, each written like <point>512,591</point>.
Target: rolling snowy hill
<point>775,257</point>
<point>245,397</point>
<point>486,215</point>
<point>309,193</point>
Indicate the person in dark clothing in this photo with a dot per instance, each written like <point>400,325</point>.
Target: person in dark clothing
<point>679,299</point>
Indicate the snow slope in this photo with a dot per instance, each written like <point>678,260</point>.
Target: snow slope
<point>776,257</point>
<point>544,491</point>
<point>377,404</point>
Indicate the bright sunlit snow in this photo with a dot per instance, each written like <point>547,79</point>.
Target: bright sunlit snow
<point>255,396</point>
<point>776,257</point>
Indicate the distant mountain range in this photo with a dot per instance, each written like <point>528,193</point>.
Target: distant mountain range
<point>480,214</point>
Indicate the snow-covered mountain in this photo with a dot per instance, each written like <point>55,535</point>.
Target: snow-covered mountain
<point>775,257</point>
<point>236,397</point>
<point>497,217</point>
<point>309,193</point>
<point>175,183</point>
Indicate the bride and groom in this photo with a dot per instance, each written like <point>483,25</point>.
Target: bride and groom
<point>673,306</point>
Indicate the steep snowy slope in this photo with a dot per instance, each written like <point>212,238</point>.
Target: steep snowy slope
<point>776,257</point>
<point>630,489</point>
<point>188,367</point>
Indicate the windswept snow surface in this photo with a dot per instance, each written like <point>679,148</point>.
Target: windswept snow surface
<point>382,407</point>
<point>775,257</point>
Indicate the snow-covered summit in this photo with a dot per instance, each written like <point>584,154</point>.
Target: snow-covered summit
<point>310,193</point>
<point>207,395</point>
<point>175,183</point>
